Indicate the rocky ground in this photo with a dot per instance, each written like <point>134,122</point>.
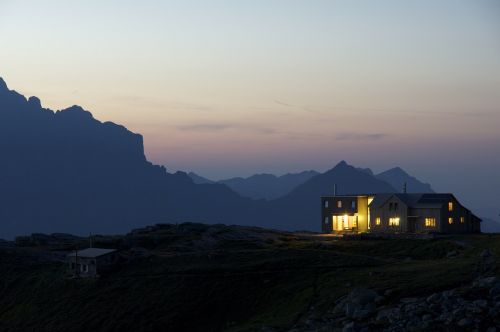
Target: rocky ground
<point>211,278</point>
<point>473,307</point>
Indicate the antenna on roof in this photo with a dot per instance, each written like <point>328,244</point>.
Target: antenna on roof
<point>404,188</point>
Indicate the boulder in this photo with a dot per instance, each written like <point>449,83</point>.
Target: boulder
<point>434,298</point>
<point>486,282</point>
<point>465,322</point>
<point>362,296</point>
<point>495,291</point>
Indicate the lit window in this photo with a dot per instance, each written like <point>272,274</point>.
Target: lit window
<point>450,206</point>
<point>393,221</point>
<point>462,220</point>
<point>450,220</point>
<point>377,221</point>
<point>326,220</point>
<point>339,204</point>
<point>326,204</point>
<point>430,222</point>
<point>353,204</point>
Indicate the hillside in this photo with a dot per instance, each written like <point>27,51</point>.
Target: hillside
<point>238,278</point>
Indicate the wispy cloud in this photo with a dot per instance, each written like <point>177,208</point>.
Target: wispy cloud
<point>140,101</point>
<point>284,104</point>
<point>207,127</point>
<point>360,137</point>
<point>326,109</point>
<point>218,127</point>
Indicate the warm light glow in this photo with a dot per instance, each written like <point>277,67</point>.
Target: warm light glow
<point>370,199</point>
<point>337,223</point>
<point>393,221</point>
<point>339,204</point>
<point>346,221</point>
<point>450,206</point>
<point>377,221</point>
<point>430,222</point>
<point>450,220</point>
<point>462,220</point>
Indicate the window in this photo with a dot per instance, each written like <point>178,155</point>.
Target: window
<point>326,220</point>
<point>450,206</point>
<point>393,221</point>
<point>326,204</point>
<point>430,222</point>
<point>450,220</point>
<point>339,204</point>
<point>353,204</point>
<point>462,220</point>
<point>395,206</point>
<point>377,221</point>
<point>390,206</point>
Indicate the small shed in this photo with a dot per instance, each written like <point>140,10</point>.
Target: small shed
<point>85,263</point>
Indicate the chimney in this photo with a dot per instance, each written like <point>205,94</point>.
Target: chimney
<point>404,188</point>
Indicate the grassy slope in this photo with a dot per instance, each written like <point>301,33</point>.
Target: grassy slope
<point>235,285</point>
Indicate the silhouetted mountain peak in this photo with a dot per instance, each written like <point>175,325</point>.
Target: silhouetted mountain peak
<point>35,102</point>
<point>341,167</point>
<point>343,163</point>
<point>397,170</point>
<point>76,112</point>
<point>398,177</point>
<point>3,85</point>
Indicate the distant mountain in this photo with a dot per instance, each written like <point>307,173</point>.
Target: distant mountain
<point>199,179</point>
<point>268,186</point>
<point>65,171</point>
<point>397,177</point>
<point>490,226</point>
<point>301,208</point>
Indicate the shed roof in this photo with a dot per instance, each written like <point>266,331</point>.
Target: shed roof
<point>93,252</point>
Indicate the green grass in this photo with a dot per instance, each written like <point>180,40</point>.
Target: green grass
<point>235,286</point>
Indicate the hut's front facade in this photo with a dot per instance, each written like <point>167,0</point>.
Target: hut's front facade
<point>85,263</point>
<point>397,213</point>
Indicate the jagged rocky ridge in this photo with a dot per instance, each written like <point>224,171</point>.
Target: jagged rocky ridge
<point>65,171</point>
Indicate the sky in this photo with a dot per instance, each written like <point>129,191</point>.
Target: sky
<point>232,88</point>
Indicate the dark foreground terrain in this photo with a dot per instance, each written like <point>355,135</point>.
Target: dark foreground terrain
<point>193,277</point>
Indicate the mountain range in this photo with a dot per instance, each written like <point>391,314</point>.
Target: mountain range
<point>261,186</point>
<point>269,186</point>
<point>65,171</point>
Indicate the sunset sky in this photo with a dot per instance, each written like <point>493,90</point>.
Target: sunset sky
<point>232,88</point>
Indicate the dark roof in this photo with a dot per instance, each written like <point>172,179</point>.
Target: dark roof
<point>414,200</point>
<point>93,252</point>
<point>380,199</point>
